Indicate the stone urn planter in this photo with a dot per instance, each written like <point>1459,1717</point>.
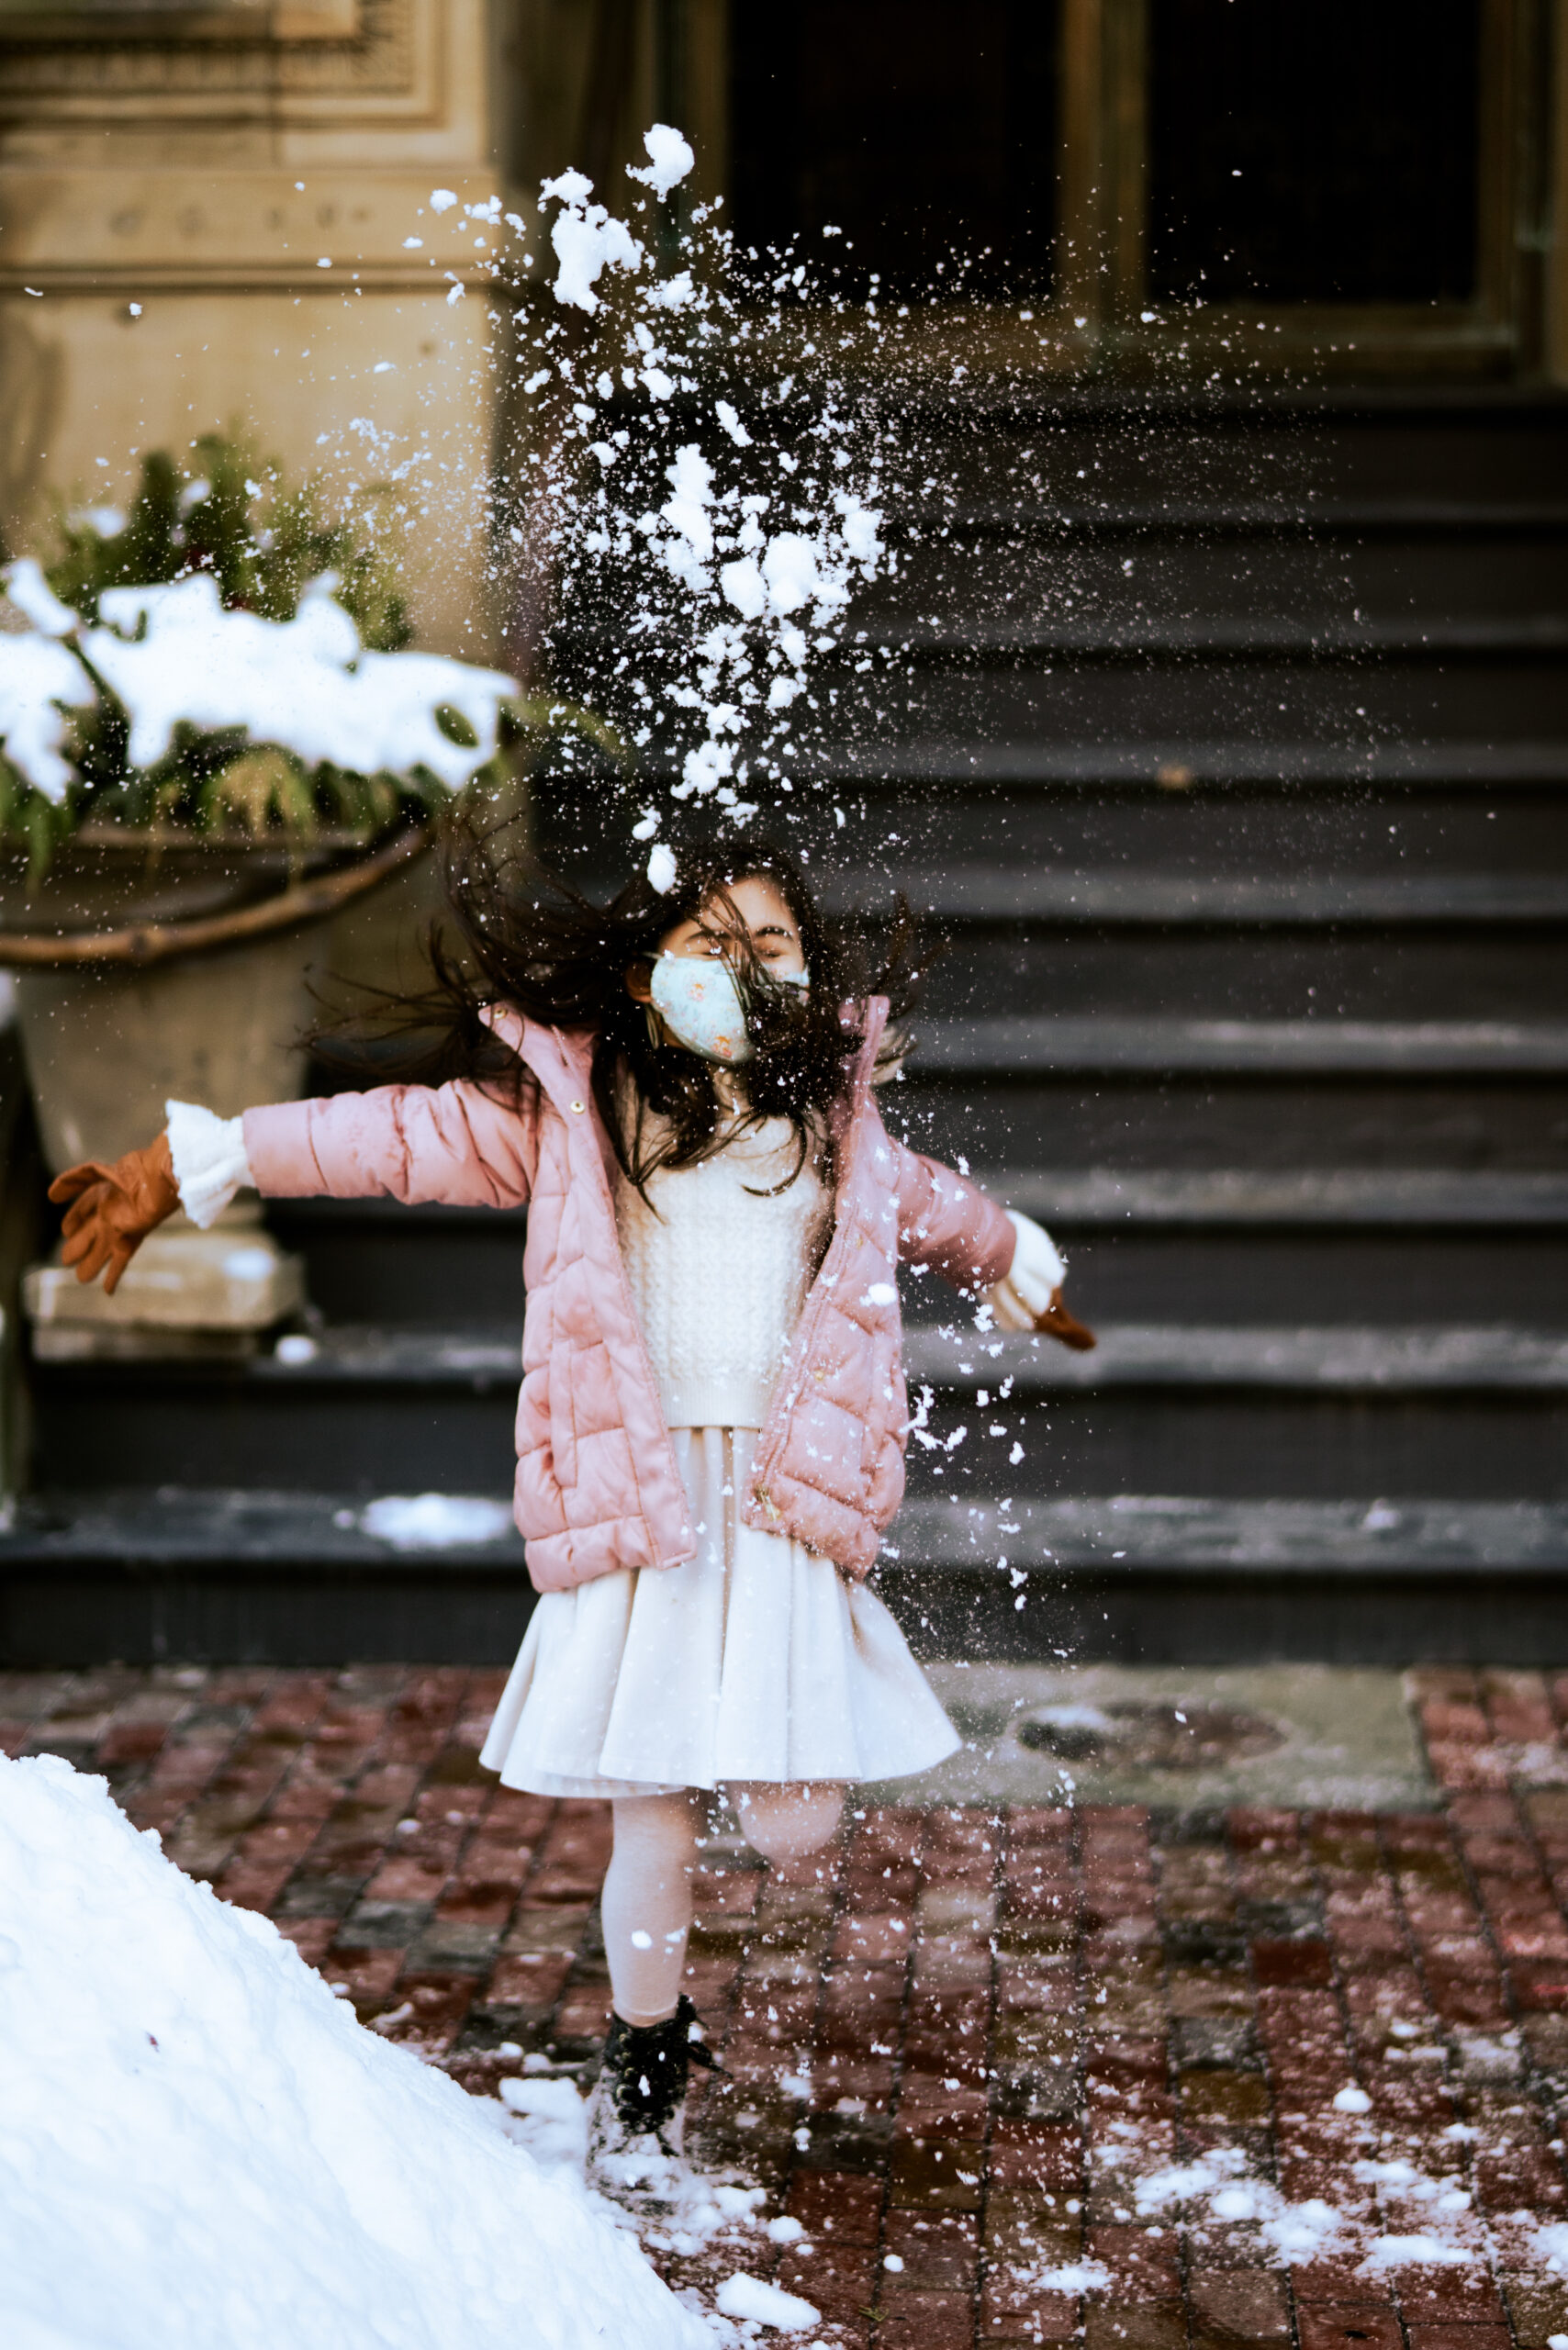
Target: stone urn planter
<point>151,970</point>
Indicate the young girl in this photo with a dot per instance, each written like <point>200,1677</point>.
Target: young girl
<point>711,1424</point>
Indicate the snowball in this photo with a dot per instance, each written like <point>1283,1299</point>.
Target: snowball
<point>661,868</point>
<point>729,417</point>
<point>691,478</point>
<point>861,527</point>
<point>201,2144</point>
<point>442,199</point>
<point>704,769</point>
<point>745,588</point>
<point>435,1521</point>
<point>1351,2100</point>
<point>790,568</point>
<point>671,159</point>
<point>587,239</point>
<point>673,293</point>
<point>747,2297</point>
<point>40,679</point>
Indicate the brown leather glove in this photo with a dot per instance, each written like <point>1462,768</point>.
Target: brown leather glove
<point>113,1209</point>
<point>1058,1323</point>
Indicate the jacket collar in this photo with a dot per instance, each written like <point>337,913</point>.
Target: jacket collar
<point>562,1059</point>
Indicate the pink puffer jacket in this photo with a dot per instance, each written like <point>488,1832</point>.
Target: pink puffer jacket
<point>597,1486</point>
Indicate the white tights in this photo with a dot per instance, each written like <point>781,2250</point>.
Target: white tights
<point>647,1891</point>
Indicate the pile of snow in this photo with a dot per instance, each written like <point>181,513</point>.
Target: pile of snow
<point>199,2143</point>
<point>174,654</point>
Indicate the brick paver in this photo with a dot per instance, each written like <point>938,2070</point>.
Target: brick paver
<point>1022,2075</point>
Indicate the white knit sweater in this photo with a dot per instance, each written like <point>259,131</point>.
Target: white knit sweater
<point>718,1266</point>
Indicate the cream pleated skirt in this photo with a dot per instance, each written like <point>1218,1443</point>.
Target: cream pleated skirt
<point>755,1659</point>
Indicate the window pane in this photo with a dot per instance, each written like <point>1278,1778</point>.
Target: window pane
<point>919,128</point>
<point>1314,149</point>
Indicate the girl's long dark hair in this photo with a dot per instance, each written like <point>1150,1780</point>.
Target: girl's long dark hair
<point>531,940</point>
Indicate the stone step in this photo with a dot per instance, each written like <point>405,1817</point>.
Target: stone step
<point>1176,757</point>
<point>1002,896</point>
<point>1305,517</point>
<point>1347,1245</point>
<point>1348,1361</point>
<point>1435,991</point>
<point>1150,1045</point>
<point>1361,1198</point>
<point>293,1577</point>
<point>1274,1120</point>
<point>1356,710</point>
<point>1218,638</point>
<point>1480,1413</point>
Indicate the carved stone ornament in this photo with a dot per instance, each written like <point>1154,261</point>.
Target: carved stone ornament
<point>96,53</point>
<point>177,20</point>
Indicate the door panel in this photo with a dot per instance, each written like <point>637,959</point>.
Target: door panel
<point>1314,150</point>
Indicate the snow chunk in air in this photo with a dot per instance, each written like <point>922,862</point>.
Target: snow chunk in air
<point>670,158</point>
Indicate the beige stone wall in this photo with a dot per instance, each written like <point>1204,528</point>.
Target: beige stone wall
<point>166,206</point>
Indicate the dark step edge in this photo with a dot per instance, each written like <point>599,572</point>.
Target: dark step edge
<point>1120,1536</point>
<point>1289,518</point>
<point>1401,1359</point>
<point>1339,1198</point>
<point>981,896</point>
<point>1461,764</point>
<point>1388,1359</point>
<point>1107,1044</point>
<point>1246,641</point>
<point>230,1526</point>
<point>1116,1536</point>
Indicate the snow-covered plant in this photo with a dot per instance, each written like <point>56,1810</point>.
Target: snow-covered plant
<point>233,513</point>
<point>185,666</point>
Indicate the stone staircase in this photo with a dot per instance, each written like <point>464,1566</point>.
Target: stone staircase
<point>1234,762</point>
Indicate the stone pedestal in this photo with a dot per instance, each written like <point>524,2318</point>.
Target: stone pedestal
<point>185,1293</point>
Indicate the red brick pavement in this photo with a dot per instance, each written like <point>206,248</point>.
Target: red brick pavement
<point>994,2025</point>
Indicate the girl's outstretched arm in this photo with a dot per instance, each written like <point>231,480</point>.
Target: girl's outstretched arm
<point>454,1143</point>
<point>949,1222</point>
<point>460,1144</point>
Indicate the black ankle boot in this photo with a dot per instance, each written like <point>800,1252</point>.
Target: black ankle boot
<point>643,2076</point>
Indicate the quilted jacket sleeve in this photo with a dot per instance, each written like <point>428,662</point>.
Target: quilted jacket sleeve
<point>455,1142</point>
<point>949,1222</point>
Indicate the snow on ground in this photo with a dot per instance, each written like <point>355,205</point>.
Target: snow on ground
<point>199,2143</point>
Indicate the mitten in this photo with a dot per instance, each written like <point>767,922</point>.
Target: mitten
<point>1058,1323</point>
<point>1029,1296</point>
<point>113,1209</point>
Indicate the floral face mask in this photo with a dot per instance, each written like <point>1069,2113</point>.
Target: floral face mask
<point>699,1000</point>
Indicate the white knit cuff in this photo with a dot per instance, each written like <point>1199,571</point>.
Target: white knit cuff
<point>210,1165</point>
<point>1035,1275</point>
